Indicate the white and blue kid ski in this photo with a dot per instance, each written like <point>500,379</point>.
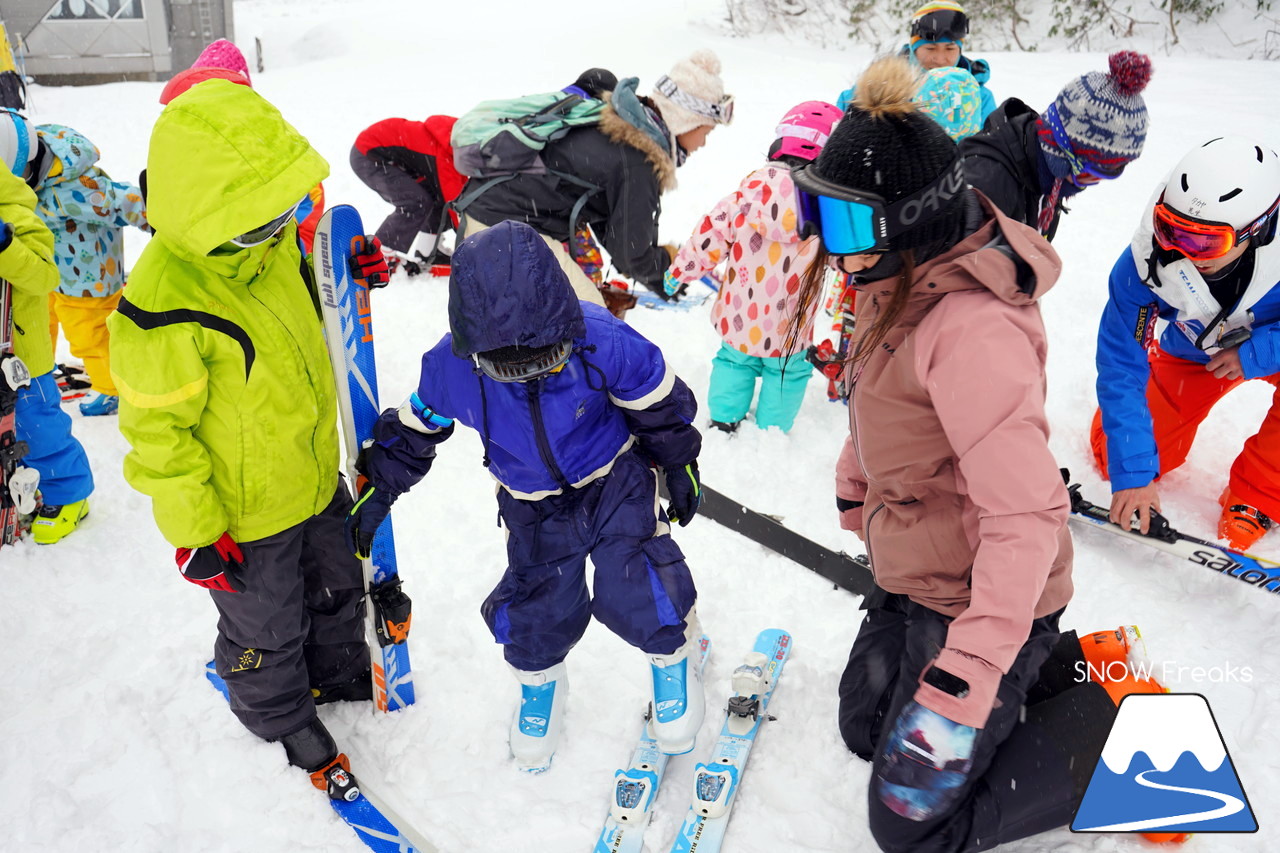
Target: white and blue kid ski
<point>636,787</point>
<point>716,782</point>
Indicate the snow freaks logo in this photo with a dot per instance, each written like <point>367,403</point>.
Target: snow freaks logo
<point>1164,768</point>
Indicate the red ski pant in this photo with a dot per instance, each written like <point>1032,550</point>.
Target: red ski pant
<point>1180,395</point>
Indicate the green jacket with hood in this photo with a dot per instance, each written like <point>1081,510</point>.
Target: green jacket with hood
<point>27,264</point>
<point>226,392</point>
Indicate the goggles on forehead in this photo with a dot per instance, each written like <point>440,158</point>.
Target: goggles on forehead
<point>942,25</point>
<point>1199,239</point>
<point>720,113</point>
<point>263,233</point>
<point>854,222</point>
<point>515,366</point>
<point>1079,165</point>
<point>808,134</point>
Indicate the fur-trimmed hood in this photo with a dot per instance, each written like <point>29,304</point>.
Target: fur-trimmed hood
<point>625,122</point>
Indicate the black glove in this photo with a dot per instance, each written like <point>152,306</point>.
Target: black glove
<point>362,522</point>
<point>685,490</point>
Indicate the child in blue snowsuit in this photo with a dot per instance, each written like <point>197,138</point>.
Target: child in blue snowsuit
<point>575,409</point>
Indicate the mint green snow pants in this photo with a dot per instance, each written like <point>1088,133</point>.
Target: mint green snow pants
<point>733,385</point>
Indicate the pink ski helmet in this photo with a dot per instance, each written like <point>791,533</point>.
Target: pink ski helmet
<point>805,129</point>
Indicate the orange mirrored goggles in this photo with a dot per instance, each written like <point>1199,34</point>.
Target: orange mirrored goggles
<point>1201,240</point>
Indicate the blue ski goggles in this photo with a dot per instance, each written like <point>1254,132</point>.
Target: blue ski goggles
<point>855,222</point>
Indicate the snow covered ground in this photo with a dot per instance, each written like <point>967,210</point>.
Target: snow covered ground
<point>110,738</point>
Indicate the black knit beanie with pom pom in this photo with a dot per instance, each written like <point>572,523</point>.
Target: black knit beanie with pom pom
<point>885,145</point>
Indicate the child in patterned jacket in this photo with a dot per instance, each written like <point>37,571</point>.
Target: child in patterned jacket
<point>86,211</point>
<point>764,330</point>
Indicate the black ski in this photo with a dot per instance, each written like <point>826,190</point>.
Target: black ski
<point>845,571</point>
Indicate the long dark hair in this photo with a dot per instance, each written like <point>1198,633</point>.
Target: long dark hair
<point>811,286</point>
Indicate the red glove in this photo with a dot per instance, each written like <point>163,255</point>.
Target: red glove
<point>368,262</point>
<point>218,566</point>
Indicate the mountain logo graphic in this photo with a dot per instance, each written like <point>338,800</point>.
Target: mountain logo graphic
<point>1164,768</point>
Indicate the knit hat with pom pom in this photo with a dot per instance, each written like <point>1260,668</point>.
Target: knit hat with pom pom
<point>885,146</point>
<point>690,94</point>
<point>1102,116</point>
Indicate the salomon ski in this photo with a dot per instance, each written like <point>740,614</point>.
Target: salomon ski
<point>1254,571</point>
<point>716,783</point>
<point>636,787</point>
<point>345,306</point>
<point>377,825</point>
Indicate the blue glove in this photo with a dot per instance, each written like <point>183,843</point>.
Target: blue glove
<point>925,764</point>
<point>685,490</point>
<point>362,522</point>
<point>6,235</point>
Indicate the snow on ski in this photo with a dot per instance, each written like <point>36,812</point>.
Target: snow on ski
<point>717,781</point>
<point>636,787</point>
<point>377,825</point>
<point>1254,571</point>
<point>345,305</point>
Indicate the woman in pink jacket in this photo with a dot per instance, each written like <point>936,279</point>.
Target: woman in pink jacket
<point>765,331</point>
<point>948,479</point>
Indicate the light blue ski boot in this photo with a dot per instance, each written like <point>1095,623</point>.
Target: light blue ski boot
<point>100,404</point>
<point>535,731</point>
<point>679,702</point>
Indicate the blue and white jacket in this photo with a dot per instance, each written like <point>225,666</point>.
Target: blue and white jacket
<point>560,431</point>
<point>1170,306</point>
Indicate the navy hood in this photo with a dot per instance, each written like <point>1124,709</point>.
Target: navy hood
<point>506,288</point>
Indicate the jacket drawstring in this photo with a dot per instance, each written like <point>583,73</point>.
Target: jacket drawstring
<point>581,351</point>
<point>484,416</point>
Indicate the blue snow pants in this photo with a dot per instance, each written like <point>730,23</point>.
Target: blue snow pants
<point>643,590</point>
<point>51,448</point>
<point>733,384</point>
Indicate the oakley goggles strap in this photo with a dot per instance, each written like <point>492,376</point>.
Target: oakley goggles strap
<point>720,113</point>
<point>855,222</point>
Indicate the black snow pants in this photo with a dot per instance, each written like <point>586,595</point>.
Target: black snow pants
<point>419,204</point>
<point>299,623</point>
<point>1029,769</point>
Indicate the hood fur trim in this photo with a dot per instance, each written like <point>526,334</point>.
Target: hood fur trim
<point>620,131</point>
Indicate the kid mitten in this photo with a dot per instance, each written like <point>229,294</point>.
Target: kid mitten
<point>217,566</point>
<point>685,490</point>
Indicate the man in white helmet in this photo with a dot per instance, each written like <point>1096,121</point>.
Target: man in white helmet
<point>1194,311</point>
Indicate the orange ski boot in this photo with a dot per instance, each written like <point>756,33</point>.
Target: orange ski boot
<point>1240,524</point>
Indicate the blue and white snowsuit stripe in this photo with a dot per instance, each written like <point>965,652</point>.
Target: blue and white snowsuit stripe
<point>1181,301</point>
<point>571,450</point>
